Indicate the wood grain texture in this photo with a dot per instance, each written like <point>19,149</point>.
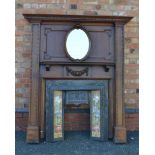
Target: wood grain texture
<point>75,18</point>
<point>42,109</point>
<point>104,62</point>
<point>119,73</point>
<point>33,123</point>
<point>120,129</point>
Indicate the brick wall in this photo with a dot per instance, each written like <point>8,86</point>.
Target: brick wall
<point>77,122</point>
<point>132,121</point>
<point>81,7</point>
<point>21,121</point>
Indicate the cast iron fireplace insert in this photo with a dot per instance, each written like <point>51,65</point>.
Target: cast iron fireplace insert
<point>97,98</point>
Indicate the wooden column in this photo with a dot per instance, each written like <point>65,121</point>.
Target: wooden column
<point>120,130</point>
<point>33,124</point>
<point>111,108</point>
<point>42,109</point>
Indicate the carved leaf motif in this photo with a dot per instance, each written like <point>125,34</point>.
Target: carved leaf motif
<point>77,73</point>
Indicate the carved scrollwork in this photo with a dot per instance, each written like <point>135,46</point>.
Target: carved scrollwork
<point>77,26</point>
<point>109,32</point>
<point>106,69</point>
<point>47,30</point>
<point>77,73</point>
<point>46,56</point>
<point>47,67</point>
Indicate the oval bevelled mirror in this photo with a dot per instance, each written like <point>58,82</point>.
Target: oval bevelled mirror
<point>77,44</point>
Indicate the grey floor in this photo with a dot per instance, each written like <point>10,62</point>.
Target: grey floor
<point>78,144</point>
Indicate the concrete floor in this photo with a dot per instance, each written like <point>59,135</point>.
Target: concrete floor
<point>78,144</point>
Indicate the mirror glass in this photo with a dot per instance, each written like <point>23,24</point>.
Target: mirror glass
<point>77,44</point>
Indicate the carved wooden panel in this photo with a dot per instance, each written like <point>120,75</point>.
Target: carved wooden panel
<point>53,42</point>
<point>57,71</point>
<point>102,43</point>
<point>53,39</point>
<point>77,71</point>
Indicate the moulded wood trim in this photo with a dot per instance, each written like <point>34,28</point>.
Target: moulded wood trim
<point>75,18</point>
<point>76,63</point>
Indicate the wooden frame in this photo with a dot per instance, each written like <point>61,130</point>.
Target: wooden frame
<point>115,75</point>
<point>78,26</point>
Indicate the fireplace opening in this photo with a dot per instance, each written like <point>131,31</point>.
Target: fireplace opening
<point>76,115</point>
<point>76,109</point>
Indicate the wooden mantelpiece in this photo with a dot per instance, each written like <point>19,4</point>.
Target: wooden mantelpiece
<point>106,63</point>
<point>76,18</point>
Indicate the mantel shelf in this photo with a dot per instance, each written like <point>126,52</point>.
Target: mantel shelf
<point>77,64</point>
<point>76,18</point>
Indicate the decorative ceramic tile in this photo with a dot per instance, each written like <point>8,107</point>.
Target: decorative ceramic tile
<point>95,113</point>
<point>57,114</point>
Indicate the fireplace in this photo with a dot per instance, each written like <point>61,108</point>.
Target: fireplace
<point>76,92</point>
<point>76,59</point>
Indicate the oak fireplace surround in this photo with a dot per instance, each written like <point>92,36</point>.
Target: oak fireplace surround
<point>103,62</point>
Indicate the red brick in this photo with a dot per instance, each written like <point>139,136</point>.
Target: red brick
<point>19,95</point>
<point>132,65</point>
<point>26,55</point>
<point>131,85</point>
<point>18,114</point>
<point>132,96</point>
<point>18,85</point>
<point>131,76</point>
<point>133,46</point>
<point>132,120</point>
<point>76,121</point>
<point>132,127</point>
<point>132,115</point>
<point>73,1</point>
<point>90,13</point>
<point>21,22</point>
<point>21,121</point>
